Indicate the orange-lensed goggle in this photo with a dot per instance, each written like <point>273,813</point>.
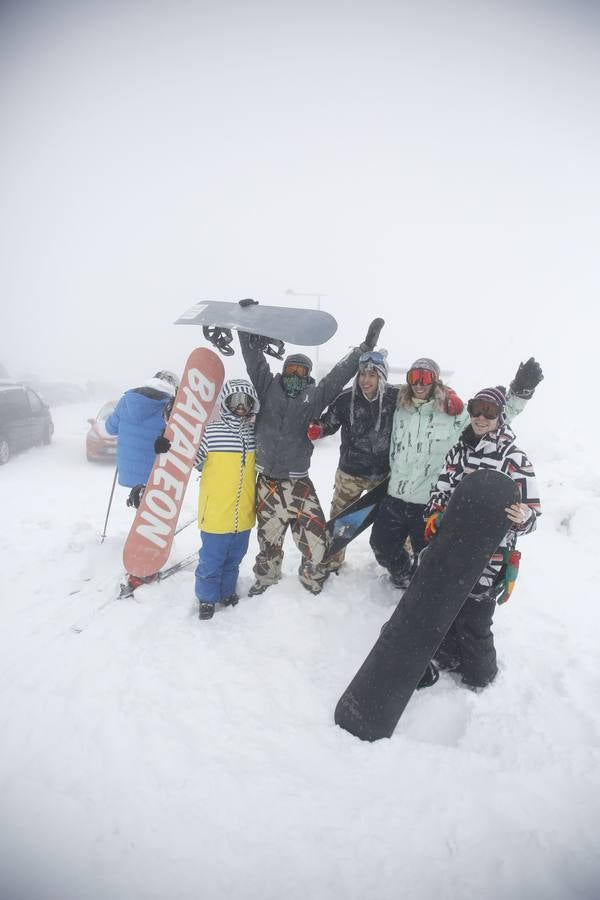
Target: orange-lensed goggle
<point>296,369</point>
<point>486,408</point>
<point>420,376</point>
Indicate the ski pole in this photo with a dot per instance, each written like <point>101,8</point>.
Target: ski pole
<point>112,490</point>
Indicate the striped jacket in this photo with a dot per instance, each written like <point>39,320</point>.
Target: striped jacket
<point>226,458</point>
<point>496,450</point>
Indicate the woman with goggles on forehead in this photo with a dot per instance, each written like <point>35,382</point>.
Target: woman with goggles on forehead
<point>428,420</point>
<point>487,442</point>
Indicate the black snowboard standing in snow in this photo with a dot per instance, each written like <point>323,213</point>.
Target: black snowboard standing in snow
<point>474,523</point>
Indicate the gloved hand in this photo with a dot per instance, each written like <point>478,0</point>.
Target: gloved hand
<point>529,374</point>
<point>432,524</point>
<point>454,405</point>
<point>372,337</point>
<point>162,444</point>
<point>135,495</point>
<point>314,431</point>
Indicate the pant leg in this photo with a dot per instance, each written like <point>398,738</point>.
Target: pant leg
<point>473,627</point>
<point>346,490</point>
<point>236,550</point>
<point>389,532</point>
<point>309,532</point>
<point>209,571</point>
<point>272,519</point>
<point>416,530</point>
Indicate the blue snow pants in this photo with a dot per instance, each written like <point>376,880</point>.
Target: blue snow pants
<point>218,566</point>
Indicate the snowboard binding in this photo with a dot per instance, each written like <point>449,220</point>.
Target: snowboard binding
<point>220,338</point>
<point>270,346</point>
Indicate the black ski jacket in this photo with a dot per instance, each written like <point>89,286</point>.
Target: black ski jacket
<point>283,449</point>
<point>364,450</point>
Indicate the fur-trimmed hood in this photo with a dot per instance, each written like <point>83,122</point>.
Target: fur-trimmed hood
<point>439,395</point>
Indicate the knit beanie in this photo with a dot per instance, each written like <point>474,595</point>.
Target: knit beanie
<point>492,395</point>
<point>425,363</point>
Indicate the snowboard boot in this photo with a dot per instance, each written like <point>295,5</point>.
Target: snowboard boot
<point>233,600</point>
<point>400,582</point>
<point>429,677</point>
<point>134,581</point>
<point>258,588</point>
<point>207,610</point>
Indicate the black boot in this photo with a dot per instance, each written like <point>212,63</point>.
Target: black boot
<point>233,600</point>
<point>429,677</point>
<point>207,610</point>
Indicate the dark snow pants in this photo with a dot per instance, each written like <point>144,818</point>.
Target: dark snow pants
<point>469,645</point>
<point>396,520</point>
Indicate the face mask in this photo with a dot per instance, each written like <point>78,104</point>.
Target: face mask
<point>293,384</point>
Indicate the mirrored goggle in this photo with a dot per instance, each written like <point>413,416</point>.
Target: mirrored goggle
<point>372,357</point>
<point>296,369</point>
<point>485,408</point>
<point>420,376</point>
<point>239,399</point>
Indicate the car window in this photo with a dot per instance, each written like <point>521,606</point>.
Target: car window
<point>14,403</point>
<point>34,402</point>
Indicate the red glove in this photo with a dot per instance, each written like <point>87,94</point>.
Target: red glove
<point>454,405</point>
<point>314,431</point>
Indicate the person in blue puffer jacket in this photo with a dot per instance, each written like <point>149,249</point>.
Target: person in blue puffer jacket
<point>137,420</point>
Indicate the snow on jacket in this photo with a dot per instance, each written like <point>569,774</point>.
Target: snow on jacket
<point>366,430</point>
<point>496,450</point>
<point>421,437</point>
<point>226,457</point>
<point>283,449</point>
<point>137,420</point>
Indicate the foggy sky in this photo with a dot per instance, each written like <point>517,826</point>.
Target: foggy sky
<point>433,163</point>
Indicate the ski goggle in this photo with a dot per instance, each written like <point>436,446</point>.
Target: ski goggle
<point>298,369</point>
<point>239,399</point>
<point>371,358</point>
<point>486,408</point>
<point>420,376</point>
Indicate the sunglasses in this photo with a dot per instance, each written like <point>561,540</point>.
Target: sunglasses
<point>296,369</point>
<point>420,376</point>
<point>485,408</point>
<point>239,399</point>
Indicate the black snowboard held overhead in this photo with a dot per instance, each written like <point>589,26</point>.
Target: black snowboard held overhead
<point>354,519</point>
<point>472,527</point>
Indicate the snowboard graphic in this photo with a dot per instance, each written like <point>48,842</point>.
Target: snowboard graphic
<point>473,525</point>
<point>354,519</point>
<point>149,541</point>
<point>306,327</point>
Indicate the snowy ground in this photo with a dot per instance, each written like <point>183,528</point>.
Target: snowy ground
<point>155,756</point>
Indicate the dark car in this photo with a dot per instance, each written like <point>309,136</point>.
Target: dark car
<point>25,419</point>
<point>100,446</point>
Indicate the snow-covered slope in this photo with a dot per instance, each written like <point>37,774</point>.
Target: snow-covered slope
<point>156,756</point>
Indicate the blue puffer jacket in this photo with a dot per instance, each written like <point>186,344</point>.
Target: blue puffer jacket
<point>138,421</point>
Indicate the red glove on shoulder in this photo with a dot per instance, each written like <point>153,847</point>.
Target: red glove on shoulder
<point>314,431</point>
<point>454,405</point>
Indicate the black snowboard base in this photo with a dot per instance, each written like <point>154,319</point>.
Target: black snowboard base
<point>473,525</point>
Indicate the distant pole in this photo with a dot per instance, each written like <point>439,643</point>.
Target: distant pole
<point>103,535</point>
<point>316,297</point>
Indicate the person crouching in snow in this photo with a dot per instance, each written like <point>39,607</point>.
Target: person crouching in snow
<point>487,442</point>
<point>227,500</point>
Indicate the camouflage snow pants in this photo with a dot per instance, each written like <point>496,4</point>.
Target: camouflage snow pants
<point>346,490</point>
<point>293,503</point>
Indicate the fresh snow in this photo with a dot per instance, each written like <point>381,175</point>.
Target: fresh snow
<point>156,756</point>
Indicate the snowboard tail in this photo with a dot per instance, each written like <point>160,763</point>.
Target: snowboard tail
<point>473,525</point>
<point>148,544</point>
<point>355,518</point>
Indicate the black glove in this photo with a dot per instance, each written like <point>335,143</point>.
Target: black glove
<point>529,375</point>
<point>135,495</point>
<point>162,444</point>
<point>372,337</point>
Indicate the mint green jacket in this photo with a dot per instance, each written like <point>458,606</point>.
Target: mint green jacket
<point>421,438</point>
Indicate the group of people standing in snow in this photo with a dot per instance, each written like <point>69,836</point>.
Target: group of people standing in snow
<point>255,464</point>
